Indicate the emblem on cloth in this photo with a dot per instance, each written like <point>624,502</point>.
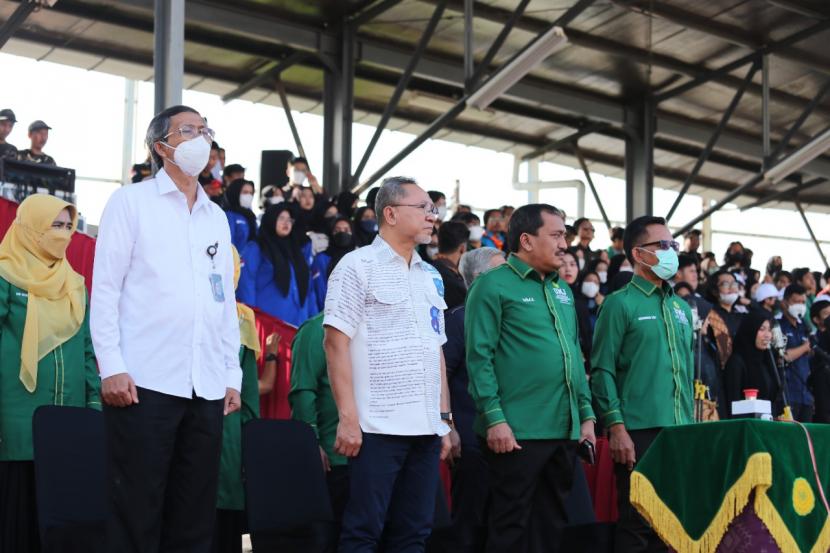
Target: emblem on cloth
<point>434,312</point>
<point>439,286</point>
<point>804,501</point>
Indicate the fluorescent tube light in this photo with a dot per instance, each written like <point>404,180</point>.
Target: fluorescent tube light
<point>521,64</point>
<point>799,158</point>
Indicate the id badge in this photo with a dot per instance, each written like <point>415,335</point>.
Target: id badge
<point>216,287</point>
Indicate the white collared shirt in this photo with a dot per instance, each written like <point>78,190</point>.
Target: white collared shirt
<point>154,311</point>
<point>394,315</point>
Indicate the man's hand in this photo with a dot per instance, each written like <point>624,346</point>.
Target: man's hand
<point>455,444</point>
<point>349,437</point>
<point>622,448</point>
<point>232,401</point>
<point>325,459</point>
<point>119,390</point>
<point>500,438</point>
<point>312,182</point>
<point>446,447</point>
<point>586,432</point>
<point>272,343</point>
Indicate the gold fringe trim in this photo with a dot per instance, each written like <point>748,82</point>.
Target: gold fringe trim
<point>757,474</point>
<point>768,514</point>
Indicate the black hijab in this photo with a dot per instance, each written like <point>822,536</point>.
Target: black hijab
<point>745,338</point>
<point>345,204</point>
<point>232,201</point>
<point>335,251</point>
<point>284,252</point>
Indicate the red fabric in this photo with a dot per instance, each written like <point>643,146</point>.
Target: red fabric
<point>80,253</point>
<point>274,405</point>
<point>602,483</point>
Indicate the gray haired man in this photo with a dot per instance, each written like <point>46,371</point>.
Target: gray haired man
<point>384,327</point>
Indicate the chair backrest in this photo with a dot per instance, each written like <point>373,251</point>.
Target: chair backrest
<point>70,469</point>
<point>285,486</point>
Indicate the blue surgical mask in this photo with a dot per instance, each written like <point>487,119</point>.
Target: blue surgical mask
<point>369,225</point>
<point>667,264</point>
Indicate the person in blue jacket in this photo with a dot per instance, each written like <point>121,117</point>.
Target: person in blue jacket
<point>239,197</point>
<point>341,242</point>
<point>276,275</point>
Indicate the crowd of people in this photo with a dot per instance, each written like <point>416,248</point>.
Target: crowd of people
<point>503,345</point>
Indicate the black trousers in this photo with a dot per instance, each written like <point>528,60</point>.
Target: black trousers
<point>528,489</point>
<point>633,532</point>
<point>338,483</point>
<point>18,510</point>
<point>163,472</point>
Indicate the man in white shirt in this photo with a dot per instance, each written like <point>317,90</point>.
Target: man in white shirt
<point>166,335</point>
<point>384,323</point>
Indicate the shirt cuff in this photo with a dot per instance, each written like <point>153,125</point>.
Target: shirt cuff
<point>612,417</point>
<point>494,417</point>
<point>111,365</point>
<point>586,414</point>
<point>341,325</point>
<point>234,379</point>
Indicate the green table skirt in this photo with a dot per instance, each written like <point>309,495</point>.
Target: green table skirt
<point>695,479</point>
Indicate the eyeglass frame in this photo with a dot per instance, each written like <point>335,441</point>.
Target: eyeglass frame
<point>431,212</point>
<point>664,245</point>
<point>206,132</point>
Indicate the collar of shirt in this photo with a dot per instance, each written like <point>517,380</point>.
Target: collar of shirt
<point>166,186</point>
<point>524,270</point>
<point>385,253</point>
<point>648,288</point>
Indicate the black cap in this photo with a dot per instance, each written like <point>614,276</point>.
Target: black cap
<point>38,125</point>
<point>233,168</point>
<point>7,115</point>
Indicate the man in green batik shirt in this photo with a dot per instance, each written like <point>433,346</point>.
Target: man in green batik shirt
<point>642,365</point>
<point>528,382</point>
<point>312,402</point>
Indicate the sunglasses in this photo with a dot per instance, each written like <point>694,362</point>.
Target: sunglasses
<point>663,245</point>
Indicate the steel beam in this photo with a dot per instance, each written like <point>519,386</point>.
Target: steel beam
<point>765,128</point>
<point>581,159</point>
<point>562,142</point>
<point>728,33</point>
<point>400,87</point>
<point>266,78</point>
<point>639,160</point>
<point>469,43</point>
<point>168,57</point>
<point>814,11</point>
<point>338,110</point>
<point>710,145</point>
<point>812,234</point>
<point>707,76</point>
<point>290,117</point>
<point>15,20</point>
<point>787,194</point>
<point>794,128</point>
<point>748,185</point>
<point>484,65</point>
<point>372,12</point>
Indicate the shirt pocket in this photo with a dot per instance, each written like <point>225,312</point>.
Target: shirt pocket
<point>387,316</point>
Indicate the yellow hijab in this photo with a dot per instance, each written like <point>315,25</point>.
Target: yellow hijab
<point>247,321</point>
<point>32,257</point>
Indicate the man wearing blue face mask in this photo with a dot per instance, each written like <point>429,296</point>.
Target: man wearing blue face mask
<point>642,365</point>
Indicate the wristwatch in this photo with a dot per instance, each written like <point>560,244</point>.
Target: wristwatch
<point>270,357</point>
<point>446,416</point>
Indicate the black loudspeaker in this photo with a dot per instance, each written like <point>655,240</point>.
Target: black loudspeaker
<point>272,168</point>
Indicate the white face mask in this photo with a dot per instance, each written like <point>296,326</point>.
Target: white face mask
<point>442,212</point>
<point>797,310</point>
<point>476,233</point>
<point>603,276</point>
<point>246,200</point>
<point>729,299</point>
<point>432,251</point>
<point>274,200</point>
<point>626,269</point>
<point>299,176</point>
<point>590,289</point>
<point>191,156</point>
<point>581,263</point>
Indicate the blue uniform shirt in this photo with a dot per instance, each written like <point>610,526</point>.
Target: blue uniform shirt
<point>240,230</point>
<point>798,370</point>
<point>258,289</point>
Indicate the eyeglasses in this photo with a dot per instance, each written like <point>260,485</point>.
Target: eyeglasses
<point>189,132</point>
<point>663,245</point>
<point>428,209</point>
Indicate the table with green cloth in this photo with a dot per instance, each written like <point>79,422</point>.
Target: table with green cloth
<point>697,480</point>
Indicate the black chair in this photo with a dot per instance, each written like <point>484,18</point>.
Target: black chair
<point>70,478</point>
<point>285,487</point>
